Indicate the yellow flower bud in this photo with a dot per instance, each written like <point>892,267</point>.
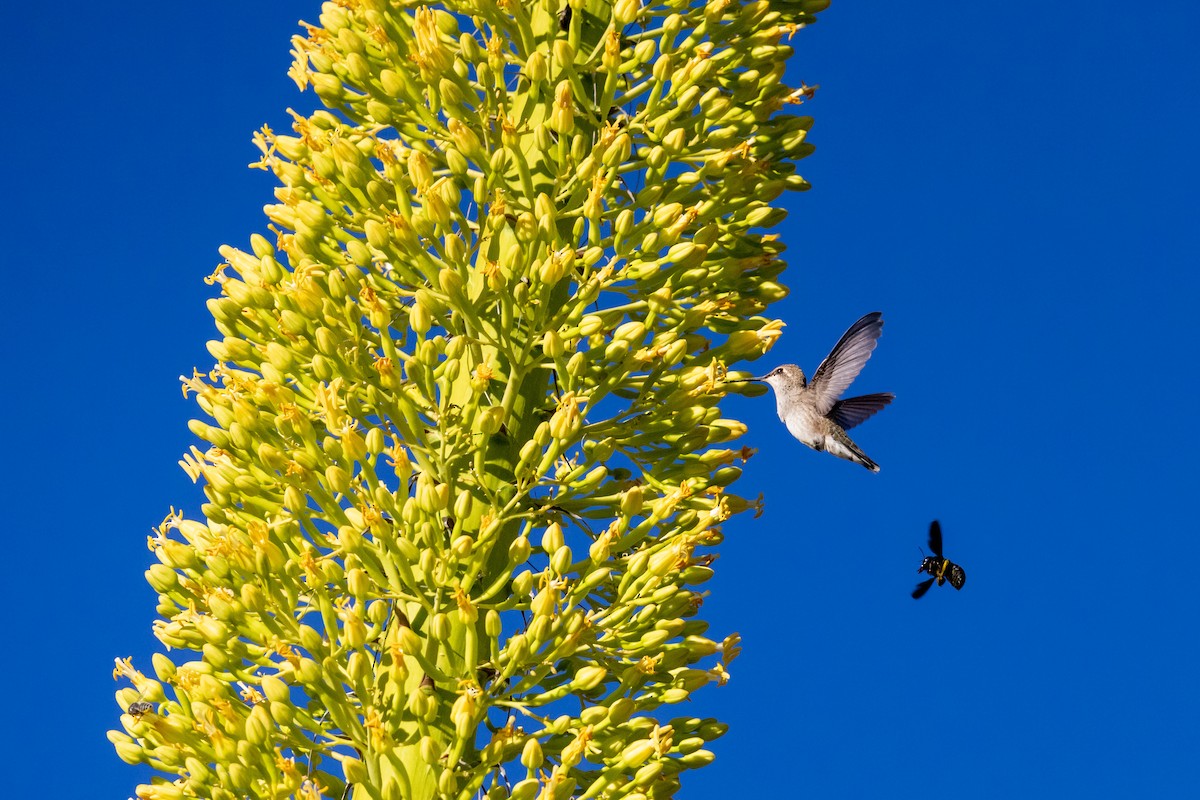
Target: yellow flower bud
<point>588,678</point>
<point>562,115</point>
<point>490,419</point>
<point>354,770</point>
<point>552,538</point>
<point>544,603</point>
<point>526,789</point>
<point>259,726</point>
<point>560,562</point>
<point>531,754</point>
<point>537,68</point>
<point>636,754</point>
<point>626,11</point>
<point>419,170</point>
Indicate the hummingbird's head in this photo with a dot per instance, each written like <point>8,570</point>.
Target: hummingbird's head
<point>785,377</point>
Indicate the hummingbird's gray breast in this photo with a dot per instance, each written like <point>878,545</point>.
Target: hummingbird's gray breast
<point>803,422</point>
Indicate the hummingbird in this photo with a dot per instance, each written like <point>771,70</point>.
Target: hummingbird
<point>812,411</point>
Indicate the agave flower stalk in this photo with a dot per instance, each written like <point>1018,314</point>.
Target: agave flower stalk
<point>464,460</point>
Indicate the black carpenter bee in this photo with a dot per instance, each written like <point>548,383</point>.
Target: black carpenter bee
<point>940,568</point>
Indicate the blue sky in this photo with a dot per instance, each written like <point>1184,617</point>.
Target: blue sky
<point>1013,187</point>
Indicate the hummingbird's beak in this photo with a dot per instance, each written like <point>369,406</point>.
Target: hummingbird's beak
<point>746,392</point>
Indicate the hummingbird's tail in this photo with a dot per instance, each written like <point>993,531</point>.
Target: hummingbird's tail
<point>843,447</point>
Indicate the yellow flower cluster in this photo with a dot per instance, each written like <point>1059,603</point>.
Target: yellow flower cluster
<point>464,451</point>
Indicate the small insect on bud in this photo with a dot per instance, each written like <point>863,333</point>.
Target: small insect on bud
<point>138,709</point>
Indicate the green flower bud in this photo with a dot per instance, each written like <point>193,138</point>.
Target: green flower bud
<point>463,504</point>
<point>354,770</point>
<point>358,583</point>
<point>490,419</point>
<point>765,217</point>
<point>647,774</point>
<point>516,650</point>
<point>275,689</point>
<point>562,114</point>
<point>525,790</point>
<point>618,151</point>
<point>531,754</point>
<point>161,578</point>
<point>543,605</point>
<point>462,546</point>
<point>309,672</point>
<point>552,344</point>
<point>698,758</point>
<point>636,754</point>
<point>408,640</point>
<point>620,710</point>
<point>676,695</point>
<point>560,562</point>
<point>588,678</point>
<point>164,668</point>
<point>258,726</point>
<point>552,538</point>
<point>519,550</point>
<point>537,68</point>
<point>626,11</point>
<point>129,752</point>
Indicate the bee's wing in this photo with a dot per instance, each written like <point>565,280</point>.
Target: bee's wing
<point>957,576</point>
<point>935,538</point>
<point>845,361</point>
<point>921,589</point>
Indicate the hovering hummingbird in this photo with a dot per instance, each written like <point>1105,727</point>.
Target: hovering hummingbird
<point>940,568</point>
<point>812,411</point>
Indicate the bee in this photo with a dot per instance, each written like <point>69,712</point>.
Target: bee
<point>940,568</point>
<point>136,710</point>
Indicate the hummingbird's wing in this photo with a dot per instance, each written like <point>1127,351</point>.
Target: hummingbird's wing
<point>845,361</point>
<point>854,410</point>
<point>935,538</point>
